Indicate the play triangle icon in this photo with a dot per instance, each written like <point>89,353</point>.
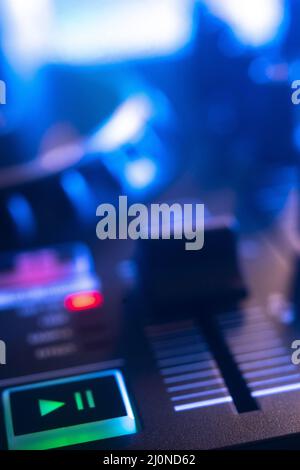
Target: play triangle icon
<point>48,406</point>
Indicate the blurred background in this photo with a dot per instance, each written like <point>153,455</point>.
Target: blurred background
<point>155,99</point>
<point>162,101</point>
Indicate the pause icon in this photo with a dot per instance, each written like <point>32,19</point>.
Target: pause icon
<point>79,400</point>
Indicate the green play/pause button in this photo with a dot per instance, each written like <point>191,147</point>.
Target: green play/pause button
<point>68,411</point>
<point>48,406</point>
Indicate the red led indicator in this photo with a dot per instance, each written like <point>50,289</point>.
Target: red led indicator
<point>83,301</point>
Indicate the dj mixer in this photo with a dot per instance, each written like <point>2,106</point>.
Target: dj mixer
<point>103,357</point>
<point>137,342</point>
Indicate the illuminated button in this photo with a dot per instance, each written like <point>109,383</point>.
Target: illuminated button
<point>83,301</point>
<point>68,411</point>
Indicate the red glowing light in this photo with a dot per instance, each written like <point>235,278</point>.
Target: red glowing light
<point>83,301</point>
